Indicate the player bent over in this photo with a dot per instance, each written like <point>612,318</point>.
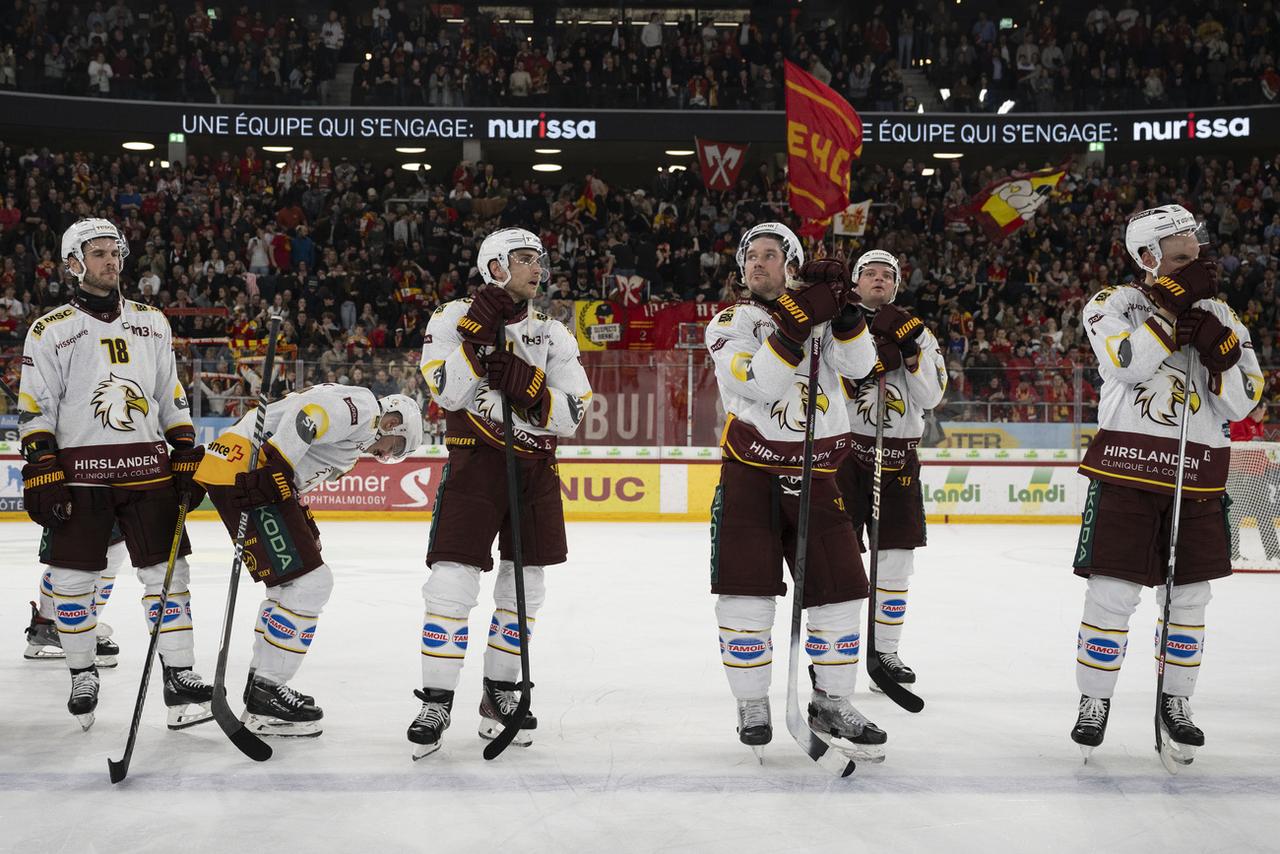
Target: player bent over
<point>915,380</point>
<point>760,347</point>
<point>100,397</point>
<point>43,642</point>
<point>539,373</point>
<point>1144,337</point>
<point>317,434</point>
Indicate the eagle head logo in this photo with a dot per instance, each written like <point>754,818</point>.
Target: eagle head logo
<point>1161,397</point>
<point>782,409</point>
<point>115,400</point>
<point>865,403</point>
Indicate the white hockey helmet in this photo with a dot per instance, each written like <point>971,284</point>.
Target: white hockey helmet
<point>410,426</point>
<point>790,244</point>
<point>80,233</point>
<point>879,256</point>
<point>1146,229</point>
<point>499,246</point>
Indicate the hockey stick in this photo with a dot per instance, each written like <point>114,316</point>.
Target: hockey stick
<point>799,728</point>
<point>878,674</point>
<point>1162,656</point>
<point>119,769</point>
<point>247,743</point>
<point>511,726</point>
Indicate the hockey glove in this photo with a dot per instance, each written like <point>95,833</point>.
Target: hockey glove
<point>888,357</point>
<point>1180,290</point>
<point>851,321</point>
<point>270,483</point>
<point>1218,345</point>
<point>490,306</point>
<point>825,271</point>
<point>797,312</point>
<point>45,493</point>
<point>899,326</point>
<point>183,463</point>
<point>523,384</point>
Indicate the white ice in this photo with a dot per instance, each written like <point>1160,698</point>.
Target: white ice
<point>636,749</point>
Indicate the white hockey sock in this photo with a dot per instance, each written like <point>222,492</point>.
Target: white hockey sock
<point>1185,644</point>
<point>45,599</point>
<point>502,655</point>
<point>893,576</point>
<point>290,627</point>
<point>450,592</point>
<point>176,644</point>
<point>835,646</point>
<point>260,628</point>
<point>117,558</point>
<point>1104,634</point>
<point>746,643</point>
<point>74,614</point>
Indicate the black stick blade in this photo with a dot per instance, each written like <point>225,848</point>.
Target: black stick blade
<point>511,728</point>
<point>246,742</point>
<point>904,698</point>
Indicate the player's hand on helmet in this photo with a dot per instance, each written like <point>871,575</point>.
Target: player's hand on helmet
<point>270,483</point>
<point>1217,344</point>
<point>523,384</point>
<point>45,493</point>
<point>490,306</point>
<point>1182,288</point>
<point>899,326</point>
<point>183,462</point>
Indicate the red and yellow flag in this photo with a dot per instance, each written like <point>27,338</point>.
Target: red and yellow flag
<point>1006,205</point>
<point>824,137</point>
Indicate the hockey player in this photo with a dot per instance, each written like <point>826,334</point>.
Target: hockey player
<point>760,347</point>
<point>42,632</point>
<point>915,379</point>
<point>539,373</point>
<point>317,435</point>
<point>99,398</point>
<point>1145,337</point>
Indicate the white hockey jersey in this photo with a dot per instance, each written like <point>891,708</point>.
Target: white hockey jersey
<point>320,431</point>
<point>456,377</point>
<point>908,395</point>
<point>105,387</point>
<point>764,390</point>
<point>1143,391</point>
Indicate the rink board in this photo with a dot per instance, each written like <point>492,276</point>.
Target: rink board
<point>657,485</point>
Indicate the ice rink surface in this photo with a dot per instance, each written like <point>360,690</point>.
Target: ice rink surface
<point>636,749</point>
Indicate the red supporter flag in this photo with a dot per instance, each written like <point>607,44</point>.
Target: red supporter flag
<point>630,290</point>
<point>721,162</point>
<point>824,137</point>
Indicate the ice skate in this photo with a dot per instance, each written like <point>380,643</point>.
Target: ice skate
<point>839,724</point>
<point>84,695</point>
<point>278,710</point>
<point>44,644</point>
<point>496,707</point>
<point>187,696</point>
<point>1091,724</point>
<point>1179,737</point>
<point>755,725</point>
<point>897,671</point>
<point>307,699</point>
<point>427,730</point>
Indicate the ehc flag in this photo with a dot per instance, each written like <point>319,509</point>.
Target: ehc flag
<point>1010,203</point>
<point>721,162</point>
<point>824,137</point>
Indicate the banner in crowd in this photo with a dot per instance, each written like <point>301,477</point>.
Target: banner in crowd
<point>1006,205</point>
<point>824,137</point>
<point>615,325</point>
<point>630,290</point>
<point>852,221</point>
<point>721,162</point>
